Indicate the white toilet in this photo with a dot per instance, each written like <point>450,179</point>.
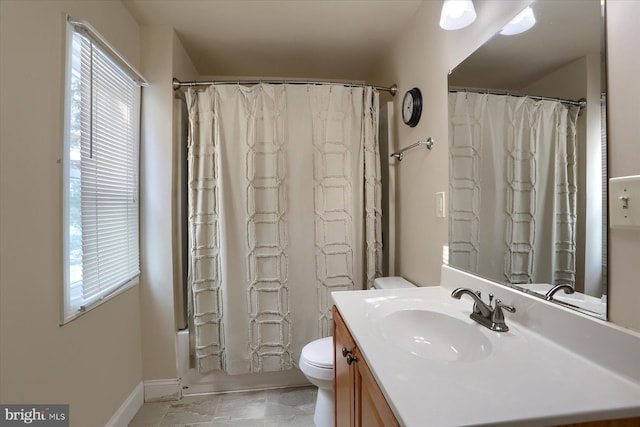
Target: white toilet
<point>316,361</point>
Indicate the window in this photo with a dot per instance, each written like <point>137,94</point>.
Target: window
<point>100,174</point>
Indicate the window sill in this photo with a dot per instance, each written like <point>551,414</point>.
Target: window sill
<point>120,290</point>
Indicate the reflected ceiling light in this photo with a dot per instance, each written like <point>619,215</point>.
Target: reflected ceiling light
<point>521,23</point>
<point>457,14</point>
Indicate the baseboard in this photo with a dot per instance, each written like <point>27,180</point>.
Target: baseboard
<point>162,390</point>
<point>129,408</point>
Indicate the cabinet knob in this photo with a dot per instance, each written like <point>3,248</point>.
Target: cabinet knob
<point>349,355</point>
<point>351,358</point>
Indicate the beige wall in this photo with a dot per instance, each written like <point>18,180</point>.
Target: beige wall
<point>183,68</point>
<point>623,53</point>
<point>163,57</point>
<point>97,357</point>
<point>158,319</point>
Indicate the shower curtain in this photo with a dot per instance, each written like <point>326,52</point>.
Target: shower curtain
<point>513,187</point>
<point>284,208</point>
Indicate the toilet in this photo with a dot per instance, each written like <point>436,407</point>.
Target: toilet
<point>316,362</point>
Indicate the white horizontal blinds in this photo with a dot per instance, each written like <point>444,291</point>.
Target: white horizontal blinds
<point>110,111</point>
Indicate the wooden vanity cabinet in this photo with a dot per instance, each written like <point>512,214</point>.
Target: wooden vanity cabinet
<point>359,402</point>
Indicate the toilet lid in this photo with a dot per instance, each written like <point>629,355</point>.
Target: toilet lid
<point>319,353</point>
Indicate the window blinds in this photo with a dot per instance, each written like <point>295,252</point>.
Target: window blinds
<point>104,160</point>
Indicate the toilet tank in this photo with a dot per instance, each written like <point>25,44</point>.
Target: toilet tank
<point>395,282</point>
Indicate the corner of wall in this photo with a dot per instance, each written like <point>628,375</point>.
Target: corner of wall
<point>163,390</point>
<point>129,408</point>
<point>156,162</point>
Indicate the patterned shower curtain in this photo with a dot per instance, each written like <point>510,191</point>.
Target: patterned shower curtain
<point>284,208</point>
<point>513,187</point>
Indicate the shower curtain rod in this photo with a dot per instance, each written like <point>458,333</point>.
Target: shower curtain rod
<point>177,84</point>
<point>582,103</point>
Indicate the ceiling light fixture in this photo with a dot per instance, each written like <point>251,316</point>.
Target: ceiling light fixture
<point>457,14</point>
<point>521,23</point>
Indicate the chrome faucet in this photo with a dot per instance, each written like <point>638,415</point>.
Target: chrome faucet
<point>487,315</point>
<point>568,289</point>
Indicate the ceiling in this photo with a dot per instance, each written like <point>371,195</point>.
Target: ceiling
<point>344,39</point>
<point>307,39</point>
<point>565,31</point>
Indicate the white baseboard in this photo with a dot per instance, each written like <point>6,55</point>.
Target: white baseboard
<point>129,408</point>
<point>162,390</point>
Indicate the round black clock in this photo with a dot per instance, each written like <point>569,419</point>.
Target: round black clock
<point>412,107</point>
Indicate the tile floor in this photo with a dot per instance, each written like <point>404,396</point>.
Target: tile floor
<point>289,407</point>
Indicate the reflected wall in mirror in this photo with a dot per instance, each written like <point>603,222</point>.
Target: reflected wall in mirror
<point>527,144</point>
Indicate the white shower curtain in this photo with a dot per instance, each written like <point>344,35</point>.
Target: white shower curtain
<point>284,207</point>
<point>513,187</point>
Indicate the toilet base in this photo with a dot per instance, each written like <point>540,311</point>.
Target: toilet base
<point>323,417</point>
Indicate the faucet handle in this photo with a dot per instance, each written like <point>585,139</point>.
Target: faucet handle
<point>491,300</point>
<point>509,308</point>
<point>475,304</point>
<point>497,317</point>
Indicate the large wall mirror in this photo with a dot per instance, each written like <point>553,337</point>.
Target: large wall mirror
<point>527,168</point>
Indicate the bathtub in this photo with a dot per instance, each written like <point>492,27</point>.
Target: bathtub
<point>194,382</point>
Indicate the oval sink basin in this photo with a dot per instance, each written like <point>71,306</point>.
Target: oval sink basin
<point>435,336</point>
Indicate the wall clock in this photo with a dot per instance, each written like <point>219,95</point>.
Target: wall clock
<point>412,107</point>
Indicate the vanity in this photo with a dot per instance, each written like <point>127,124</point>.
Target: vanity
<point>414,357</point>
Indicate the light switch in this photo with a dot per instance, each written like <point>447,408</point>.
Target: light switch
<point>624,202</point>
<point>440,212</point>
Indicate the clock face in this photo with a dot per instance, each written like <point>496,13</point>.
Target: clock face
<point>412,107</point>
<point>407,107</point>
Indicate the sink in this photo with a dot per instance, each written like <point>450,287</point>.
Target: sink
<point>435,336</point>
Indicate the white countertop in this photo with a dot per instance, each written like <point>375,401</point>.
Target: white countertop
<point>527,380</point>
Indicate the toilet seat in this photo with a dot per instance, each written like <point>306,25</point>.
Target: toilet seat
<point>319,353</point>
<point>316,361</point>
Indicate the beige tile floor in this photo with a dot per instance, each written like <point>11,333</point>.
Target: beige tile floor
<point>289,407</point>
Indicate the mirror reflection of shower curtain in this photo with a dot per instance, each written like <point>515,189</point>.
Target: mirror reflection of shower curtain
<point>284,208</point>
<point>513,187</point>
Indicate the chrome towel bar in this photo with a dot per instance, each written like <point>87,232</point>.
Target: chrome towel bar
<point>400,154</point>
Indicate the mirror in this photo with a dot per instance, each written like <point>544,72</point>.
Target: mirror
<point>527,150</point>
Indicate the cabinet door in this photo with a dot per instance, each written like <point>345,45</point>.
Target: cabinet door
<point>357,397</point>
<point>372,409</point>
<point>343,374</point>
